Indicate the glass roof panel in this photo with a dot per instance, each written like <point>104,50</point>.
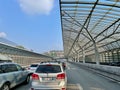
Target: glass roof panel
<point>89,21</point>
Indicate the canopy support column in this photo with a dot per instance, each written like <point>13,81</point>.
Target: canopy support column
<point>97,56</point>
<point>83,55</point>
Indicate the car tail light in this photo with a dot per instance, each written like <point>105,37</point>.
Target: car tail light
<point>35,77</point>
<point>63,89</point>
<point>61,76</point>
<point>49,65</point>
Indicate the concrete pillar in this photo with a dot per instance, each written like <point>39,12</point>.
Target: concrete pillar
<point>78,57</point>
<point>83,55</point>
<point>75,58</point>
<point>97,56</point>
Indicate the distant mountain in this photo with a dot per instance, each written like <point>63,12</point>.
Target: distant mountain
<point>5,41</point>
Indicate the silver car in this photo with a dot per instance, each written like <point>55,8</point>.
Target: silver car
<point>12,74</point>
<point>49,76</point>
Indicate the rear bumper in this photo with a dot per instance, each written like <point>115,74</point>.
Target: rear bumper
<point>48,87</point>
<point>35,88</point>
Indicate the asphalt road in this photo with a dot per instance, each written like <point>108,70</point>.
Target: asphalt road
<point>82,79</point>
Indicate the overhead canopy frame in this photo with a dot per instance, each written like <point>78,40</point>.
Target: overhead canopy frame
<point>89,23</point>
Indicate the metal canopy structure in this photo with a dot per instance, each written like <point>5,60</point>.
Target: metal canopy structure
<point>90,26</point>
<point>8,49</point>
<point>21,56</point>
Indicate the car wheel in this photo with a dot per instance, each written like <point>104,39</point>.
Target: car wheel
<point>27,80</point>
<point>5,87</point>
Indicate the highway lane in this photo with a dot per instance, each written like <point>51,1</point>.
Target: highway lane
<point>88,80</point>
<point>23,87</point>
<point>82,79</point>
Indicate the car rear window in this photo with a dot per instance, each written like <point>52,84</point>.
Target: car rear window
<point>34,65</point>
<point>48,69</point>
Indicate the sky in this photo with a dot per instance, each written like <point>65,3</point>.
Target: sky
<point>34,24</point>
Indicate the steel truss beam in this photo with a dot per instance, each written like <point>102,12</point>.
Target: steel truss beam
<point>93,3</point>
<point>83,26</point>
<point>89,23</point>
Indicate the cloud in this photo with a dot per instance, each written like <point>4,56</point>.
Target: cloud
<point>37,6</point>
<point>3,34</point>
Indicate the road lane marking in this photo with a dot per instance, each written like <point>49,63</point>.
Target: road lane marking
<point>74,87</point>
<point>68,68</point>
<point>79,87</point>
<point>118,82</point>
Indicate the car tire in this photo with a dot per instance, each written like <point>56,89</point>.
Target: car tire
<point>27,80</point>
<point>5,87</point>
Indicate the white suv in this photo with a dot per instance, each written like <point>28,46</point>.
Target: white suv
<point>49,76</point>
<point>12,74</point>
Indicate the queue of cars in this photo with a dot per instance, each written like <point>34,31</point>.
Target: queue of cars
<point>45,75</point>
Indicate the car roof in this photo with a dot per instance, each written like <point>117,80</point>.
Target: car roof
<point>34,63</point>
<point>3,63</point>
<point>52,63</point>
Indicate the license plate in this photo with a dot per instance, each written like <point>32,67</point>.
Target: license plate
<point>48,78</point>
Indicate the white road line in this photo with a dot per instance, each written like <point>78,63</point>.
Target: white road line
<point>79,87</point>
<point>118,82</point>
<point>68,68</point>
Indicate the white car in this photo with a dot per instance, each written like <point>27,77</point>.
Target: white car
<point>49,76</point>
<point>33,67</point>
